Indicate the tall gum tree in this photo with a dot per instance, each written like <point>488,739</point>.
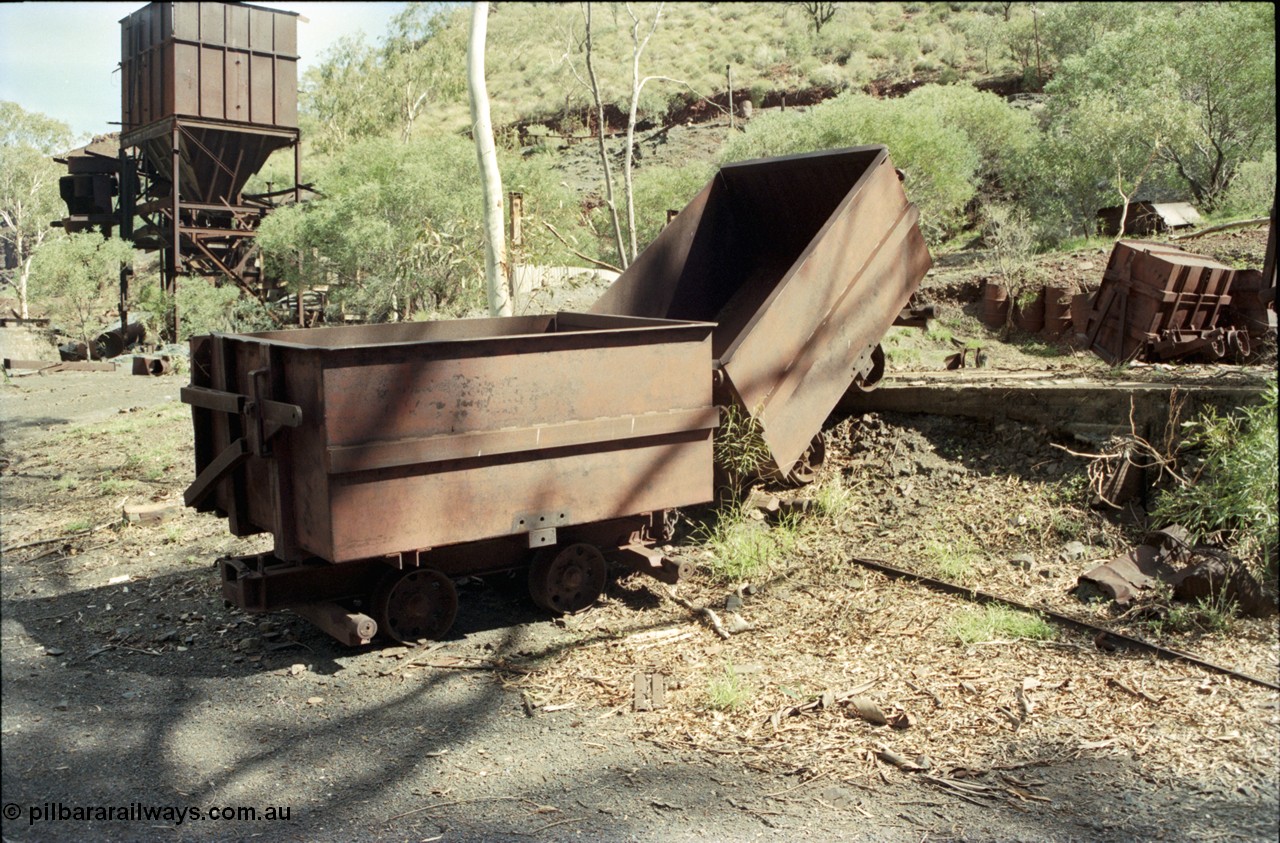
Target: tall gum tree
<point>495,252</point>
<point>29,198</point>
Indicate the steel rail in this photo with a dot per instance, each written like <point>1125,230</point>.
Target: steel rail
<point>1066,620</point>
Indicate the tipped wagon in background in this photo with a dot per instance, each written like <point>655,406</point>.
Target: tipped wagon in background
<point>1158,302</point>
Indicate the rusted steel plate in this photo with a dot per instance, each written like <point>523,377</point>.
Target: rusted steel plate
<point>1158,302</point>
<point>216,61</point>
<point>803,262</point>
<point>416,436</point>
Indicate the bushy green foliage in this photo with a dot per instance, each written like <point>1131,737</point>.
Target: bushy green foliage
<point>1253,190</point>
<point>398,226</point>
<point>940,163</point>
<point>28,188</point>
<point>203,307</point>
<point>77,277</point>
<point>1212,99</point>
<point>659,189</point>
<point>1232,495</point>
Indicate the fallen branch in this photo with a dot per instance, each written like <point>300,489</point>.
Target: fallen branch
<point>705,611</point>
<point>1226,226</point>
<point>559,237</point>
<point>68,537</point>
<point>1116,683</point>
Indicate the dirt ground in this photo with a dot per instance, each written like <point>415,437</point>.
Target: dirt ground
<point>126,682</point>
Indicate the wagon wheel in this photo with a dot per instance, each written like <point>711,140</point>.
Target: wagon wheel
<point>567,580</point>
<point>806,468</point>
<point>415,604</point>
<point>871,379</point>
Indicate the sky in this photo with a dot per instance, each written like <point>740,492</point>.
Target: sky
<point>61,59</point>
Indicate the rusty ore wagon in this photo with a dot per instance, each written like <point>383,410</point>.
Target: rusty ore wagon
<point>387,460</point>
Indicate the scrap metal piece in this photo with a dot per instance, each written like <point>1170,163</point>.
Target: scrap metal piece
<point>653,563</point>
<point>649,691</point>
<point>1127,578</point>
<point>353,629</point>
<point>161,365</point>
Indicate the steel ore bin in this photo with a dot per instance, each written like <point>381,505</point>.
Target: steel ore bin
<point>803,262</point>
<point>418,435</point>
<point>386,444</point>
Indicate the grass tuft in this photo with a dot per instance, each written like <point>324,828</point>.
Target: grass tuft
<point>741,547</point>
<point>996,622</point>
<point>726,692</point>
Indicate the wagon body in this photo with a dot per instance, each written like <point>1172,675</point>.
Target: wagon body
<point>803,262</point>
<point>387,442</point>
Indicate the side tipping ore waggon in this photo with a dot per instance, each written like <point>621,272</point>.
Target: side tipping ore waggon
<point>387,459</point>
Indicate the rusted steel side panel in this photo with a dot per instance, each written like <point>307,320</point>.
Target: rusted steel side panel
<point>390,454</point>
<point>822,371</point>
<point>803,262</point>
<point>421,394</point>
<point>482,498</point>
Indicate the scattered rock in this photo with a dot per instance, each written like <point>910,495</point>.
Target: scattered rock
<point>61,705</point>
<point>297,669</point>
<point>150,513</point>
<point>54,651</point>
<point>1023,561</point>
<point>1072,551</point>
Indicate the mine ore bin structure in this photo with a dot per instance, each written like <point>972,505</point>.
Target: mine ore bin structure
<point>803,262</point>
<point>387,459</point>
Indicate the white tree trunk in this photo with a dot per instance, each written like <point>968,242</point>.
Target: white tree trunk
<point>604,152</point>
<point>495,253</point>
<point>637,85</point>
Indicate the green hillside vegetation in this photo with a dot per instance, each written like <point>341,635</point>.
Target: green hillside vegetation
<point>1112,113</point>
<point>1011,123</point>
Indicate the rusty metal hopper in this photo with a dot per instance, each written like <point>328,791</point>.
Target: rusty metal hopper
<point>803,262</point>
<point>356,442</point>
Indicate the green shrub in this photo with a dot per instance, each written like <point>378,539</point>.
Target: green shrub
<point>1253,189</point>
<point>1231,495</point>
<point>940,163</point>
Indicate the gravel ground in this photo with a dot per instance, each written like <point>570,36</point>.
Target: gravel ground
<point>127,683</point>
